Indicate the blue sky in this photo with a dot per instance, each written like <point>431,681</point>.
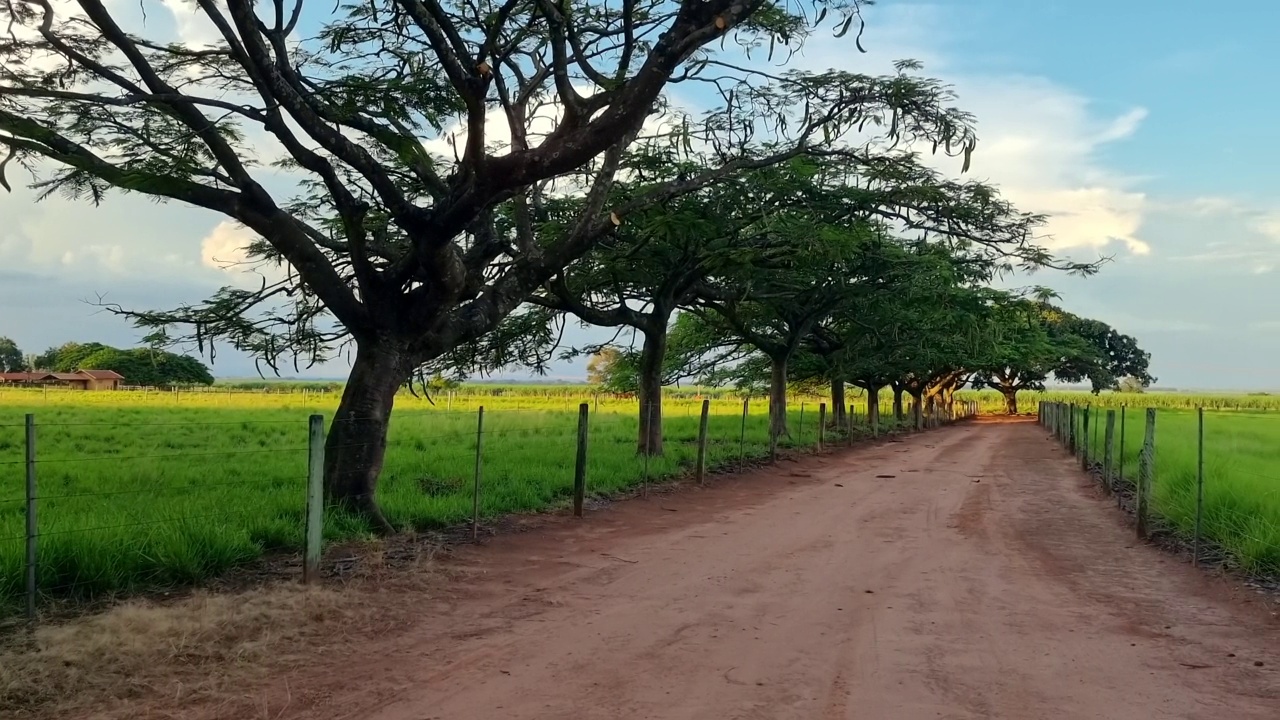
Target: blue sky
<point>1144,128</point>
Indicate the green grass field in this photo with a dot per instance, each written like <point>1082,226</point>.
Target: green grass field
<point>1241,474</point>
<point>143,490</point>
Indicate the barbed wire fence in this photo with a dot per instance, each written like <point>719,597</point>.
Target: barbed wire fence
<point>88,509</point>
<point>1212,498</point>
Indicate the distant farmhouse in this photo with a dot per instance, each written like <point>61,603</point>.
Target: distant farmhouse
<point>78,380</point>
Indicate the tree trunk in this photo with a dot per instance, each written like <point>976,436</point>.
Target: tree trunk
<point>778,399</point>
<point>949,402</point>
<point>873,407</point>
<point>838,406</point>
<point>652,354</point>
<point>917,408</point>
<point>1010,401</point>
<point>357,441</point>
<point>897,403</point>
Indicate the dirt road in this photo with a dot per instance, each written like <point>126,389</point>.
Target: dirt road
<point>966,573</point>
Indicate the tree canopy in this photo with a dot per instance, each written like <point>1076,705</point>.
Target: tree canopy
<point>11,359</point>
<point>1035,340</point>
<point>145,366</point>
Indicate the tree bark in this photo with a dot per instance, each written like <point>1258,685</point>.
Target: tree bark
<point>898,415</point>
<point>917,408</point>
<point>838,406</point>
<point>873,407</point>
<point>1010,401</point>
<point>652,354</point>
<point>778,399</point>
<point>357,442</point>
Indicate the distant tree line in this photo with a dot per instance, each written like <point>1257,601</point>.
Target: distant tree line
<point>140,366</point>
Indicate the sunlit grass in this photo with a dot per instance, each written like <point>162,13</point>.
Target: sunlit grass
<point>1241,475</point>
<point>142,490</point>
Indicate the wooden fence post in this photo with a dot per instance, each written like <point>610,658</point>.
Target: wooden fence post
<point>315,500</point>
<point>742,434</point>
<point>1071,428</point>
<point>800,432</point>
<point>475,486</point>
<point>702,442</point>
<point>1120,454</point>
<point>850,422</point>
<point>1195,548</point>
<point>822,424</point>
<point>1146,468</point>
<point>580,467</point>
<point>1108,453</point>
<point>1064,425</point>
<point>1084,446</point>
<point>32,530</point>
<point>1094,447</point>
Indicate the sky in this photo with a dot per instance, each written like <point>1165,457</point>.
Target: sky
<point>1142,128</point>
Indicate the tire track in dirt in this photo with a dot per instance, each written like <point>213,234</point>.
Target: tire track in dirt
<point>983,580</point>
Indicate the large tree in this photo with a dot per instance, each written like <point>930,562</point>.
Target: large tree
<point>1033,340</point>
<point>150,367</point>
<point>1114,355</point>
<point>675,251</point>
<point>68,357</point>
<point>405,252</point>
<point>10,356</point>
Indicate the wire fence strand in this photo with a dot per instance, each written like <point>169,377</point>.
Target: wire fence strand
<point>104,458</point>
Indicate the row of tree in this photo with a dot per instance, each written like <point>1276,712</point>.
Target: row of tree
<point>816,272</point>
<point>791,225</point>
<point>147,366</point>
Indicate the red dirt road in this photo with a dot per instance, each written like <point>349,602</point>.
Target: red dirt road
<point>984,579</point>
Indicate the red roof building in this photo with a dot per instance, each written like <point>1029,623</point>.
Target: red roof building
<point>80,379</point>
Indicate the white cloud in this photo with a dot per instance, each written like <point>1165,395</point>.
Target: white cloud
<point>1244,239</point>
<point>1208,205</point>
<point>192,25</point>
<point>1037,140</point>
<point>225,249</point>
<point>1268,225</point>
<point>225,245</point>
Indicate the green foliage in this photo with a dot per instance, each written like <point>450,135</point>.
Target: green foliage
<point>139,366</point>
<point>1037,340</point>
<point>1129,384</point>
<point>602,369</point>
<point>11,359</point>
<point>145,366</point>
<point>1107,355</point>
<point>1241,507</point>
<point>70,357</point>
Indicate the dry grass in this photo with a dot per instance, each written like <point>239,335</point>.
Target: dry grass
<point>207,654</point>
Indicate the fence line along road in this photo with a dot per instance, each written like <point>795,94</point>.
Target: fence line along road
<point>1198,476</point>
<point>101,511</point>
